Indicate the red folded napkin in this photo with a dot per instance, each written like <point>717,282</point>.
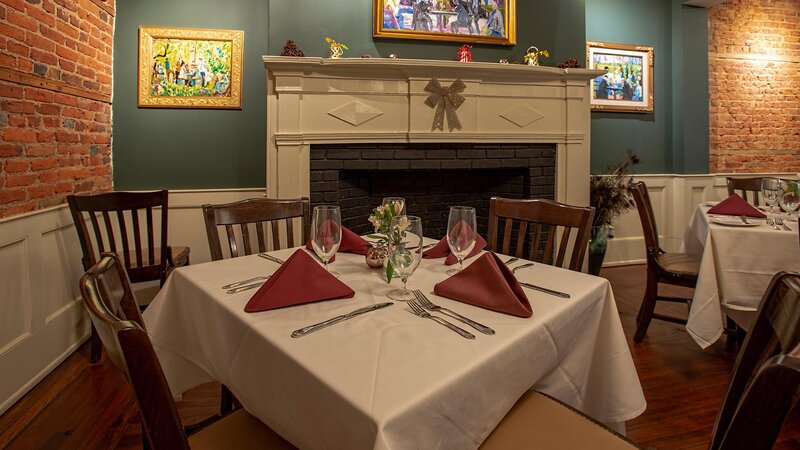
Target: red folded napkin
<point>351,243</point>
<point>736,206</point>
<point>299,280</point>
<point>487,283</point>
<point>442,249</point>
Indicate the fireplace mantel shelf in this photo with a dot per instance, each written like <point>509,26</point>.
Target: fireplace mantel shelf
<point>377,100</point>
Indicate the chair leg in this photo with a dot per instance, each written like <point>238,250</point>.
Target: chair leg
<point>227,402</point>
<point>648,307</point>
<point>96,347</point>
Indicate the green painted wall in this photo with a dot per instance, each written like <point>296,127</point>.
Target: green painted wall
<point>673,139</point>
<point>158,148</point>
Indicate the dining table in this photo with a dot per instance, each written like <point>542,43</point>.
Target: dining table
<point>739,258</point>
<point>389,379</point>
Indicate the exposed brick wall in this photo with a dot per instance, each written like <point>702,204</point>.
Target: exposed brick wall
<point>754,89</point>
<point>54,143</point>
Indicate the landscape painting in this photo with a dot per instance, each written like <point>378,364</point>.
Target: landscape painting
<point>627,82</point>
<point>190,68</point>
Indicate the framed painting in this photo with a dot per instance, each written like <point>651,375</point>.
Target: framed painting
<point>464,21</point>
<point>627,84</point>
<point>190,68</point>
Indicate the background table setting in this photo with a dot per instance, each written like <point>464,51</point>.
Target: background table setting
<point>378,374</point>
<point>742,248</point>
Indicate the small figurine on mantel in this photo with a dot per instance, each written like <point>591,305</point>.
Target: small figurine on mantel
<point>336,48</point>
<point>290,49</point>
<point>532,55</point>
<point>570,63</point>
<point>464,53</point>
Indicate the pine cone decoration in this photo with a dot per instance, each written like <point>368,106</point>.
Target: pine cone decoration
<point>290,49</point>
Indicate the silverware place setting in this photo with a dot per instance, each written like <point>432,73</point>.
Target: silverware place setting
<point>341,318</point>
<point>245,287</point>
<point>773,224</point>
<point>511,261</point>
<point>780,222</point>
<point>271,258</point>
<point>243,282</point>
<point>523,266</point>
<point>427,304</point>
<point>418,310</point>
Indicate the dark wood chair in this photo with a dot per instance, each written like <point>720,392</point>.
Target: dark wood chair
<point>746,186</point>
<point>126,225</point>
<point>246,223</point>
<point>764,388</point>
<point>678,269</point>
<point>535,216</point>
<point>106,293</point>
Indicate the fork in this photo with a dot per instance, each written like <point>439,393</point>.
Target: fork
<point>515,269</point>
<point>425,303</point>
<point>772,222</point>
<point>417,310</point>
<point>511,261</point>
<point>243,282</point>
<point>780,222</point>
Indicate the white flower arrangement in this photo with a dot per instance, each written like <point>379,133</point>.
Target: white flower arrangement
<point>381,219</point>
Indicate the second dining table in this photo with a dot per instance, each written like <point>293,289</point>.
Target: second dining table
<point>389,379</point>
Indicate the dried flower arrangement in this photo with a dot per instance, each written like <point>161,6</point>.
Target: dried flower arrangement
<point>609,192</point>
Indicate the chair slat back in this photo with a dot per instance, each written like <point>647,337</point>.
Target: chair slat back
<point>541,217</point>
<point>240,219</point>
<point>116,220</point>
<point>747,187</point>
<point>130,349</point>
<point>648,219</point>
<point>765,383</point>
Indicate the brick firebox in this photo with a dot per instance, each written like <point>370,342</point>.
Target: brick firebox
<point>431,177</point>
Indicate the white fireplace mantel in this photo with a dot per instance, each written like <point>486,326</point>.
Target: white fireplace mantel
<point>376,100</point>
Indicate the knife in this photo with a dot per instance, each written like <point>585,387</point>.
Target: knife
<point>543,289</point>
<point>318,326</point>
<point>271,258</point>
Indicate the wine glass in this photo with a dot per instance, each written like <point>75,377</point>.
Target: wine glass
<point>399,204</point>
<point>771,189</point>
<point>461,233</point>
<point>326,233</point>
<point>405,252</point>
<point>789,198</point>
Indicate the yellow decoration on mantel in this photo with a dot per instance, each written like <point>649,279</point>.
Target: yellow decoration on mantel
<point>532,55</point>
<point>337,48</point>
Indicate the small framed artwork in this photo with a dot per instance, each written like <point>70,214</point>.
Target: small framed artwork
<point>627,84</point>
<point>190,68</point>
<point>464,21</point>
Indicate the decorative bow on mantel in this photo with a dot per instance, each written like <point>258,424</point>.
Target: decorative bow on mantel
<point>445,99</point>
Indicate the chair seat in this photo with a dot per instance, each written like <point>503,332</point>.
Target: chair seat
<point>542,422</point>
<point>238,430</point>
<point>680,263</point>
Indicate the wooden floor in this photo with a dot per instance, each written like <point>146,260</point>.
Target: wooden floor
<point>80,406</point>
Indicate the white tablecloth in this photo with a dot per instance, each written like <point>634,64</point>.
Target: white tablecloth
<point>388,379</point>
<point>737,266</point>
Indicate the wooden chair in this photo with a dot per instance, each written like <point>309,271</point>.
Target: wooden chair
<point>104,287</point>
<point>762,391</point>
<point>266,214</point>
<point>543,215</point>
<point>678,269</point>
<point>745,185</point>
<point>126,226</point>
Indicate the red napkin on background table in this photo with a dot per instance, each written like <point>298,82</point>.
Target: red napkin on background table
<point>299,280</point>
<point>351,243</point>
<point>487,283</point>
<point>442,249</point>
<point>736,206</point>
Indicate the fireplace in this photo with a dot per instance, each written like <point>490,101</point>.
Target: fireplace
<point>430,176</point>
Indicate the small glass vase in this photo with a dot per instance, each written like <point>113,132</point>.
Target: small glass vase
<point>598,243</point>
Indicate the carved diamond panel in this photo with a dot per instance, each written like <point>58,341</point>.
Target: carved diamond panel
<point>522,116</point>
<point>355,113</point>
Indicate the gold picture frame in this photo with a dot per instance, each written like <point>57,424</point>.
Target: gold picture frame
<point>627,85</point>
<point>469,21</point>
<point>190,68</point>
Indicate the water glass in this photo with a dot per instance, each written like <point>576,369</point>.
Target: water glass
<point>789,198</point>
<point>405,252</point>
<point>326,233</point>
<point>398,203</point>
<point>461,233</point>
<point>771,189</point>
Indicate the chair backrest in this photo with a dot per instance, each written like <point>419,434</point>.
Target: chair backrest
<point>266,215</point>
<point>544,216</point>
<point>746,186</point>
<point>130,349</point>
<point>765,384</point>
<point>120,229</point>
<point>645,209</point>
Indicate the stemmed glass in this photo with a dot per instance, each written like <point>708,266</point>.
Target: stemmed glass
<point>405,252</point>
<point>771,189</point>
<point>789,197</point>
<point>326,233</point>
<point>400,204</point>
<point>461,233</point>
